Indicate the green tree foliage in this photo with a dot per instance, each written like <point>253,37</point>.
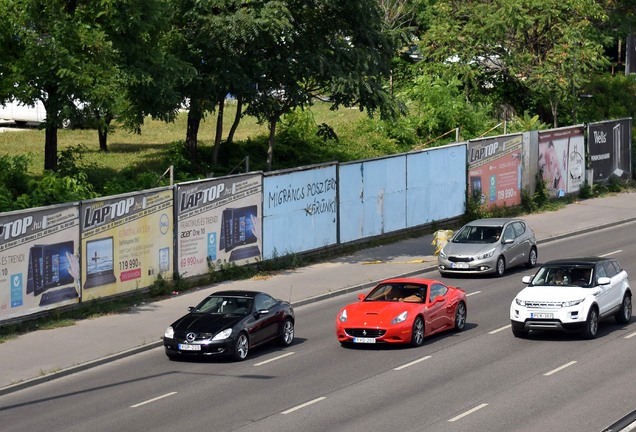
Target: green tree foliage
<point>532,54</point>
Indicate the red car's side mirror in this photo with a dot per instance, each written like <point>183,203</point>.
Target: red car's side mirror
<point>361,296</point>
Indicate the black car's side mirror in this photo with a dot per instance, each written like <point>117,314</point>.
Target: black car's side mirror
<point>190,308</point>
<point>262,312</point>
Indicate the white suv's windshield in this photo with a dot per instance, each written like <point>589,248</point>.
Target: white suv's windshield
<point>564,275</point>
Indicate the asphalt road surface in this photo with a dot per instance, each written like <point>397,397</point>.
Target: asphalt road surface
<point>482,379</point>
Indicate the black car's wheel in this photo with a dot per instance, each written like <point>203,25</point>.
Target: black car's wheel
<point>624,314</point>
<point>417,335</point>
<point>287,332</point>
<point>518,330</point>
<point>460,317</point>
<point>500,269</point>
<point>591,324</point>
<point>241,347</point>
<point>532,257</point>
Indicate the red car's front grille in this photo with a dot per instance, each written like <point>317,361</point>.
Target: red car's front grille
<point>363,332</point>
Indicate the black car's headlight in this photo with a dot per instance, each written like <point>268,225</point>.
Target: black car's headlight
<point>222,335</point>
<point>169,333</point>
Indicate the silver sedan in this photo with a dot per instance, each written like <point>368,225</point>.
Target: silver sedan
<point>489,246</point>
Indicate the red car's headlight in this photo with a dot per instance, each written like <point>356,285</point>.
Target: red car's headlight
<point>343,316</point>
<point>400,318</point>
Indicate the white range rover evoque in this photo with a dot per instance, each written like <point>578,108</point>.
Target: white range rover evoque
<point>572,295</point>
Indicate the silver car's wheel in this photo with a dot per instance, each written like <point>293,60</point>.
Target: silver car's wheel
<point>241,347</point>
<point>460,317</point>
<point>591,324</point>
<point>500,269</point>
<point>532,257</point>
<point>624,314</point>
<point>287,333</point>
<point>417,335</point>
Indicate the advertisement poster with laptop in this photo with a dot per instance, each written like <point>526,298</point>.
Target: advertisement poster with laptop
<point>126,242</point>
<point>39,264</point>
<point>218,223</point>
<point>609,146</point>
<point>562,159</point>
<point>494,170</point>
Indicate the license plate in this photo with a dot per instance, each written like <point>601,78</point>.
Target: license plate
<point>363,340</point>
<point>460,265</point>
<point>541,315</point>
<point>188,347</point>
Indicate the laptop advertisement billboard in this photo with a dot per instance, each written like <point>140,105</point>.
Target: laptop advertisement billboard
<point>126,242</point>
<point>218,223</point>
<point>39,264</point>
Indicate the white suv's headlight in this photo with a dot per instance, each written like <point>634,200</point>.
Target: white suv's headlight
<point>169,333</point>
<point>520,302</point>
<point>486,255</point>
<point>343,316</point>
<point>571,303</point>
<point>223,335</point>
<point>400,318</point>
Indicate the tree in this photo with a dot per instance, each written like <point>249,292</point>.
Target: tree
<point>334,48</point>
<point>522,52</point>
<point>48,54</point>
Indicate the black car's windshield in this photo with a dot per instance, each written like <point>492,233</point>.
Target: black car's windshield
<point>412,293</point>
<point>478,234</point>
<point>225,305</point>
<point>564,275</point>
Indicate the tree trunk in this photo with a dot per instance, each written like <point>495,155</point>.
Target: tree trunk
<point>219,130</point>
<point>192,132</point>
<point>237,119</point>
<point>50,146</point>
<point>555,110</point>
<point>270,147</point>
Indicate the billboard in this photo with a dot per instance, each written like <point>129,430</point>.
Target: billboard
<point>561,159</point>
<point>218,222</point>
<point>39,265</point>
<point>609,147</point>
<point>494,170</point>
<point>300,210</point>
<point>127,241</point>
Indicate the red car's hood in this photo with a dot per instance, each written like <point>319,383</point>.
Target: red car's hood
<point>377,313</point>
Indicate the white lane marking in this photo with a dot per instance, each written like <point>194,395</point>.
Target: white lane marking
<point>612,253</point>
<point>553,371</point>
<point>472,293</point>
<point>412,363</point>
<point>153,399</point>
<point>470,411</point>
<point>304,405</point>
<point>631,335</point>
<point>500,329</point>
<point>273,359</point>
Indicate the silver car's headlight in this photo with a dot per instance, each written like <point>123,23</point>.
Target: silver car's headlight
<point>343,316</point>
<point>442,254</point>
<point>486,255</point>
<point>169,333</point>
<point>571,303</point>
<point>222,335</point>
<point>520,302</point>
<point>400,318</point>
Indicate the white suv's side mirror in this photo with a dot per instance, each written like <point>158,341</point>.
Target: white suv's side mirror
<point>603,280</point>
<point>526,279</point>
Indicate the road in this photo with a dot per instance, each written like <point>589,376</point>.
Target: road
<point>482,379</point>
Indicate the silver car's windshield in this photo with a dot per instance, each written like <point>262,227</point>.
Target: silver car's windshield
<point>225,305</point>
<point>564,275</point>
<point>478,234</point>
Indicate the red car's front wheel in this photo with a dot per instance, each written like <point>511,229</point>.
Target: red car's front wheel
<point>417,334</point>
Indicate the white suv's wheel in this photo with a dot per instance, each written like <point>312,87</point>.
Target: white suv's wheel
<point>591,324</point>
<point>624,314</point>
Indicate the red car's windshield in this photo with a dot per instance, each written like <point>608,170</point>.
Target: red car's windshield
<point>415,293</point>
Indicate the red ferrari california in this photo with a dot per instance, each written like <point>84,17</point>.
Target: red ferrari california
<point>403,310</point>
